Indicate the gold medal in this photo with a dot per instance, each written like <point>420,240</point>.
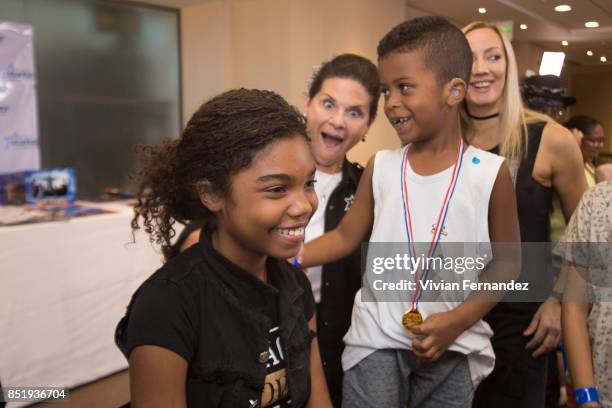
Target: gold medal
<point>411,318</point>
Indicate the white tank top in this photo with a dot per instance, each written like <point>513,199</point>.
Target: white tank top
<point>324,187</point>
<point>377,325</point>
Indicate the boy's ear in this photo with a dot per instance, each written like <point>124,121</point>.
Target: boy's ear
<point>209,196</point>
<point>455,91</point>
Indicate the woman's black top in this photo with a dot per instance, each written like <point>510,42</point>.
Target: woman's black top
<point>340,281</point>
<point>534,204</point>
<point>534,201</point>
<point>518,379</point>
<point>247,342</point>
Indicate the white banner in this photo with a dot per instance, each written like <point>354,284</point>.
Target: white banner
<point>18,105</point>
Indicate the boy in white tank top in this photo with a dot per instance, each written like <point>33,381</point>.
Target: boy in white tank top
<point>429,354</point>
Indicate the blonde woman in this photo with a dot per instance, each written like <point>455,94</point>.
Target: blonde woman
<point>543,157</point>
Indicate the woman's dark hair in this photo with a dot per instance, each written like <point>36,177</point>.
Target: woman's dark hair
<point>220,139</point>
<point>583,123</point>
<point>349,66</point>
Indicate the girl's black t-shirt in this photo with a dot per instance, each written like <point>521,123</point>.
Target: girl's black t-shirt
<point>276,390</point>
<point>232,328</point>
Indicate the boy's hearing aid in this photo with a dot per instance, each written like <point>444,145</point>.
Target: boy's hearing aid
<point>455,88</point>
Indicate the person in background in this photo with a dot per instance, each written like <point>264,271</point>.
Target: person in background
<point>543,158</point>
<point>341,105</point>
<point>546,94</point>
<point>588,133</point>
<point>593,140</point>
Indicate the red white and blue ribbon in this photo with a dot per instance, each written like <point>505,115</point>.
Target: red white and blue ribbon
<point>439,221</point>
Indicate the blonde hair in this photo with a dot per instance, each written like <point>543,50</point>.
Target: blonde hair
<point>513,115</point>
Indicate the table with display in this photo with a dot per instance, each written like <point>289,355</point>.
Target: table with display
<point>63,287</point>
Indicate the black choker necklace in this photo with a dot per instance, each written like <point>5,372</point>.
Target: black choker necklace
<point>483,117</point>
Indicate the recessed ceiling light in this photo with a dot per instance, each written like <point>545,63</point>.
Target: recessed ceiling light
<point>603,59</point>
<point>590,53</point>
<point>482,10</point>
<point>564,43</point>
<point>523,26</point>
<point>563,8</point>
<point>591,24</point>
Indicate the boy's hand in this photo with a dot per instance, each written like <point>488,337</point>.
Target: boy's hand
<point>546,324</point>
<point>435,335</point>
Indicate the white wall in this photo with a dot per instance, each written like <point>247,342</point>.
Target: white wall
<point>274,44</point>
<point>206,42</point>
<point>261,45</point>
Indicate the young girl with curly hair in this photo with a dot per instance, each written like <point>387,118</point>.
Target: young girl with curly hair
<point>227,322</point>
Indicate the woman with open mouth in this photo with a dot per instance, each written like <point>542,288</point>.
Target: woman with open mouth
<point>543,157</point>
<point>341,105</point>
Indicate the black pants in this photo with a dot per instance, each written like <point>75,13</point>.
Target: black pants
<point>518,380</point>
<point>511,388</point>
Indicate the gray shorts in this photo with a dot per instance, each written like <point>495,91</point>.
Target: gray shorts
<point>392,378</point>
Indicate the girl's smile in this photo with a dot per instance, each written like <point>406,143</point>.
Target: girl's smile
<point>269,205</point>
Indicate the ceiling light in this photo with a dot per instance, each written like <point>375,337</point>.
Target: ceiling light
<point>562,8</point>
<point>590,53</point>
<point>591,24</point>
<point>603,59</point>
<point>564,43</point>
<point>482,10</point>
<point>523,26</point>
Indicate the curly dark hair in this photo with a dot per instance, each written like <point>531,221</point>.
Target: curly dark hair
<point>220,139</point>
<point>445,48</point>
<point>349,66</point>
